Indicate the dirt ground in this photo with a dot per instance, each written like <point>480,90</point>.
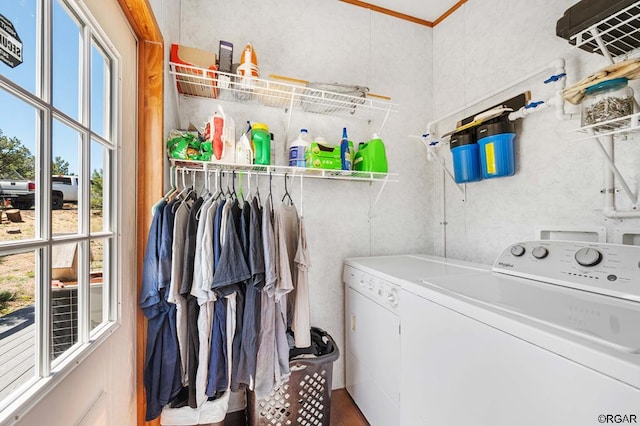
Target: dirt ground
<point>17,271</point>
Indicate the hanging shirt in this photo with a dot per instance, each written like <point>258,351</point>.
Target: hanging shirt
<point>300,323</point>
<point>252,305</point>
<point>204,247</point>
<point>191,303</point>
<point>244,216</point>
<point>161,370</point>
<point>266,355</point>
<point>179,231</point>
<point>286,230</point>
<point>166,245</point>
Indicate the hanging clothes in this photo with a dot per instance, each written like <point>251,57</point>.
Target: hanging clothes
<point>161,373</point>
<point>222,282</point>
<point>301,321</point>
<point>266,354</point>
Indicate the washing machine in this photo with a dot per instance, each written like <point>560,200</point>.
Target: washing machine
<point>550,335</point>
<point>373,329</point>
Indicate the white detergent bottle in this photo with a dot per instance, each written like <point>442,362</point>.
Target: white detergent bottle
<point>298,148</point>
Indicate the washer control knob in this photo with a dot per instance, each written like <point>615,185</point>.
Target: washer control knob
<point>517,250</point>
<point>588,256</point>
<point>392,298</point>
<point>540,252</point>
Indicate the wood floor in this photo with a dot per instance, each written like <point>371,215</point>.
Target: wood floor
<point>344,411</point>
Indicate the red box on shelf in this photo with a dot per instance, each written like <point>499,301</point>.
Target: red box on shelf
<point>198,75</point>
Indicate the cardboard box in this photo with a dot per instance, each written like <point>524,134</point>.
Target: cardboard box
<point>203,82</point>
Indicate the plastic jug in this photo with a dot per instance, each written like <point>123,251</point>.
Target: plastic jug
<point>371,156</point>
<point>298,149</point>
<point>261,143</point>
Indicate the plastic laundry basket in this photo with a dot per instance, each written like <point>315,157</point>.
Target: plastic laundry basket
<point>305,399</point>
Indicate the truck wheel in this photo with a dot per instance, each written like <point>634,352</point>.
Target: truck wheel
<point>56,202</point>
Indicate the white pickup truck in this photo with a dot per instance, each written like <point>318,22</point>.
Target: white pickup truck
<point>20,192</point>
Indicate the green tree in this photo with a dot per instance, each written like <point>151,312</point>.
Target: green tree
<point>59,166</point>
<point>15,158</point>
<point>96,189</point>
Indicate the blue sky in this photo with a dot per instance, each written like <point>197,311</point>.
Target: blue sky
<point>17,117</point>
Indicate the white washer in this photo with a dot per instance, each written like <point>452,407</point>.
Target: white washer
<point>372,326</point>
<point>551,336</point>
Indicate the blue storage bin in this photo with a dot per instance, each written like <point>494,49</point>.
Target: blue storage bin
<point>466,157</point>
<point>496,145</point>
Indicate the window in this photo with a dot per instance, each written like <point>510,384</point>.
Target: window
<point>57,246</point>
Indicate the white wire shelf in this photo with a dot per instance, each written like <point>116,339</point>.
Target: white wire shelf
<point>204,83</point>
<point>352,175</point>
<point>617,126</point>
<point>619,33</point>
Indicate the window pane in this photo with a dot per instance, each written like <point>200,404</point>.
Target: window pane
<point>22,15</point>
<point>18,135</point>
<point>100,92</point>
<point>99,187</point>
<point>66,60</point>
<point>17,315</point>
<point>64,297</point>
<point>100,285</point>
<point>65,151</point>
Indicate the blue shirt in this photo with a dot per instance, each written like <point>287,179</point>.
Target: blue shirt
<point>161,375</point>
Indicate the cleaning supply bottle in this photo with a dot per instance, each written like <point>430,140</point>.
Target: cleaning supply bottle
<point>345,151</point>
<point>298,149</point>
<point>218,145</point>
<point>261,143</point>
<point>244,154</point>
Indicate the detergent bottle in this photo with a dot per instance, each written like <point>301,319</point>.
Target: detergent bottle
<point>261,143</point>
<point>298,149</point>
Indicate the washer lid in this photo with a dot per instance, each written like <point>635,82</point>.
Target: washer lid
<point>413,267</point>
<point>604,319</point>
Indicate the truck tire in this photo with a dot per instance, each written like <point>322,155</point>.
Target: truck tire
<point>56,202</point>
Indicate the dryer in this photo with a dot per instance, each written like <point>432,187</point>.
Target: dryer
<point>373,329</point>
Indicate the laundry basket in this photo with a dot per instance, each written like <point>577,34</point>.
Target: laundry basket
<point>305,399</point>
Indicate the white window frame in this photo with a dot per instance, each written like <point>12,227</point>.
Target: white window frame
<point>49,373</point>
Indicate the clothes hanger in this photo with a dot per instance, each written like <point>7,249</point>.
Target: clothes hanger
<point>240,192</point>
<point>258,188</point>
<point>286,192</point>
<point>270,196</point>
<point>219,192</point>
<point>234,196</point>
<point>172,190</point>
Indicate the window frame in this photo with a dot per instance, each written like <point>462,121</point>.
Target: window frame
<point>49,373</point>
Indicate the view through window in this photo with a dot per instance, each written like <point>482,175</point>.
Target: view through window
<point>57,246</point>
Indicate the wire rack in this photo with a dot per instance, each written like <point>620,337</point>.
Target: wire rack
<point>353,175</point>
<point>620,33</point>
<point>618,126</point>
<point>342,99</point>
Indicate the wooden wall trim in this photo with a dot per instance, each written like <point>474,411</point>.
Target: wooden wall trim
<point>150,154</point>
<point>389,12</point>
<point>449,12</point>
<point>406,17</point>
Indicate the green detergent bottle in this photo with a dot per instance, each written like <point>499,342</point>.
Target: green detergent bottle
<point>261,143</point>
<point>371,156</point>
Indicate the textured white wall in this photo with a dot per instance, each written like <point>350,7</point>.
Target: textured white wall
<point>325,41</point>
<point>481,48</point>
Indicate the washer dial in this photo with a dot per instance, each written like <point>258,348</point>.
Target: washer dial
<point>587,256</point>
<point>540,252</point>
